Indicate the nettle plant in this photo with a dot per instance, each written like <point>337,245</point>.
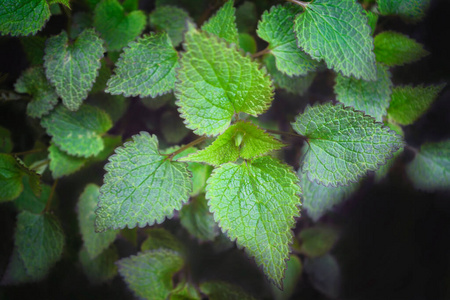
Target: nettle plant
<point>232,178</point>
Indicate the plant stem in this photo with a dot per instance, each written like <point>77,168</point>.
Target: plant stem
<point>193,143</point>
<point>43,163</point>
<point>27,152</point>
<point>50,198</point>
<point>261,53</point>
<point>301,3</point>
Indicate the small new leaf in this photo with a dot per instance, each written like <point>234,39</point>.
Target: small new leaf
<point>255,203</point>
<point>223,23</point>
<point>172,20</point>
<point>343,143</point>
<point>337,32</point>
<point>141,186</point>
<point>23,17</point>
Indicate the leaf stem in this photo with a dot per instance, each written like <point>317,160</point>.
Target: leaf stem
<point>27,152</point>
<point>261,53</point>
<point>301,3</point>
<point>50,198</point>
<point>182,148</point>
<point>42,163</point>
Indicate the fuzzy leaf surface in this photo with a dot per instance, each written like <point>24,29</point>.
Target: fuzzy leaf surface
<point>78,133</point>
<point>255,203</point>
<point>343,143</point>
<point>223,23</point>
<point>172,20</point>
<point>371,97</point>
<point>145,68</point>
<point>141,186</point>
<point>276,27</point>
<point>149,274</point>
<point>396,49</point>
<point>215,82</point>
<point>409,9</point>
<point>221,290</point>
<point>337,32</point>
<point>23,17</point>
<point>72,68</point>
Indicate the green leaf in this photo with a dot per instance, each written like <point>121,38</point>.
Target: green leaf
<point>413,10</point>
<point>220,290</point>
<point>255,203</point>
<point>276,28</point>
<point>172,127</point>
<point>290,282</point>
<point>372,20</point>
<point>104,73</point>
<point>317,241</point>
<point>6,144</point>
<point>246,17</point>
<point>80,22</point>
<point>247,43</point>
<point>73,67</point>
<point>63,164</point>
<point>370,97</point>
<point>197,219</point>
<point>185,291</point>
<point>324,275</point>
<point>100,269</point>
<point>63,2</point>
<point>115,26</point>
<point>161,238</point>
<point>145,68</point>
<point>242,139</point>
<point>114,105</point>
<point>172,20</point>
<point>216,82</point>
<point>130,5</point>
<point>39,242</point>
<point>409,103</point>
<point>223,23</point>
<point>343,143</point>
<point>34,82</point>
<point>430,169</point>
<point>319,199</point>
<point>337,32</point>
<point>94,243</point>
<point>149,274</point>
<point>141,186</point>
<point>395,49</point>
<point>78,133</point>
<point>34,46</point>
<point>297,85</point>
<point>23,17</point>
<point>29,201</point>
<point>384,169</point>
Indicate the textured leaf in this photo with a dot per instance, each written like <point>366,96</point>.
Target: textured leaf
<point>324,275</point>
<point>145,68</point>
<point>94,243</point>
<point>29,201</point>
<point>160,238</point>
<point>149,274</point>
<point>317,241</point>
<point>290,282</point>
<point>6,144</point>
<point>296,84</point>
<point>34,82</point>
<point>430,169</point>
<point>372,20</point>
<point>371,97</point>
<point>395,49</point>
<point>172,20</point>
<point>100,269</point>
<point>220,290</point>
<point>23,17</point>
<point>39,242</point>
<point>255,203</point>
<point>198,221</point>
<point>409,103</point>
<point>141,186</point>
<point>78,133</point>
<point>337,32</point>
<point>409,9</point>
<point>343,143</point>
<point>242,139</point>
<point>223,23</point>
<point>215,82</point>
<point>319,199</point>
<point>34,46</point>
<point>276,28</point>
<point>73,67</point>
<point>115,26</point>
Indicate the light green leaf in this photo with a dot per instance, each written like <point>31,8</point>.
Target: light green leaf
<point>29,201</point>
<point>371,97</point>
<point>324,275</point>
<point>395,49</point>
<point>63,164</point>
<point>220,290</point>
<point>63,2</point>
<point>94,243</point>
<point>39,242</point>
<point>291,280</point>
<point>197,219</point>
<point>6,144</point>
<point>78,133</point>
<point>343,143</point>
<point>145,68</point>
<point>319,199</point>
<point>34,82</point>
<point>247,43</point>
<point>172,20</point>
<point>141,186</point>
<point>337,32</point>
<point>317,241</point>
<point>115,26</point>
<point>23,17</point>
<point>297,85</point>
<point>276,27</point>
<point>255,203</point>
<point>372,20</point>
<point>185,291</point>
<point>160,238</point>
<point>430,169</point>
<point>216,82</point>
<point>409,9</point>
<point>223,23</point>
<point>149,274</point>
<point>73,67</point>
<point>242,139</point>
<point>409,103</point>
<point>100,269</point>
